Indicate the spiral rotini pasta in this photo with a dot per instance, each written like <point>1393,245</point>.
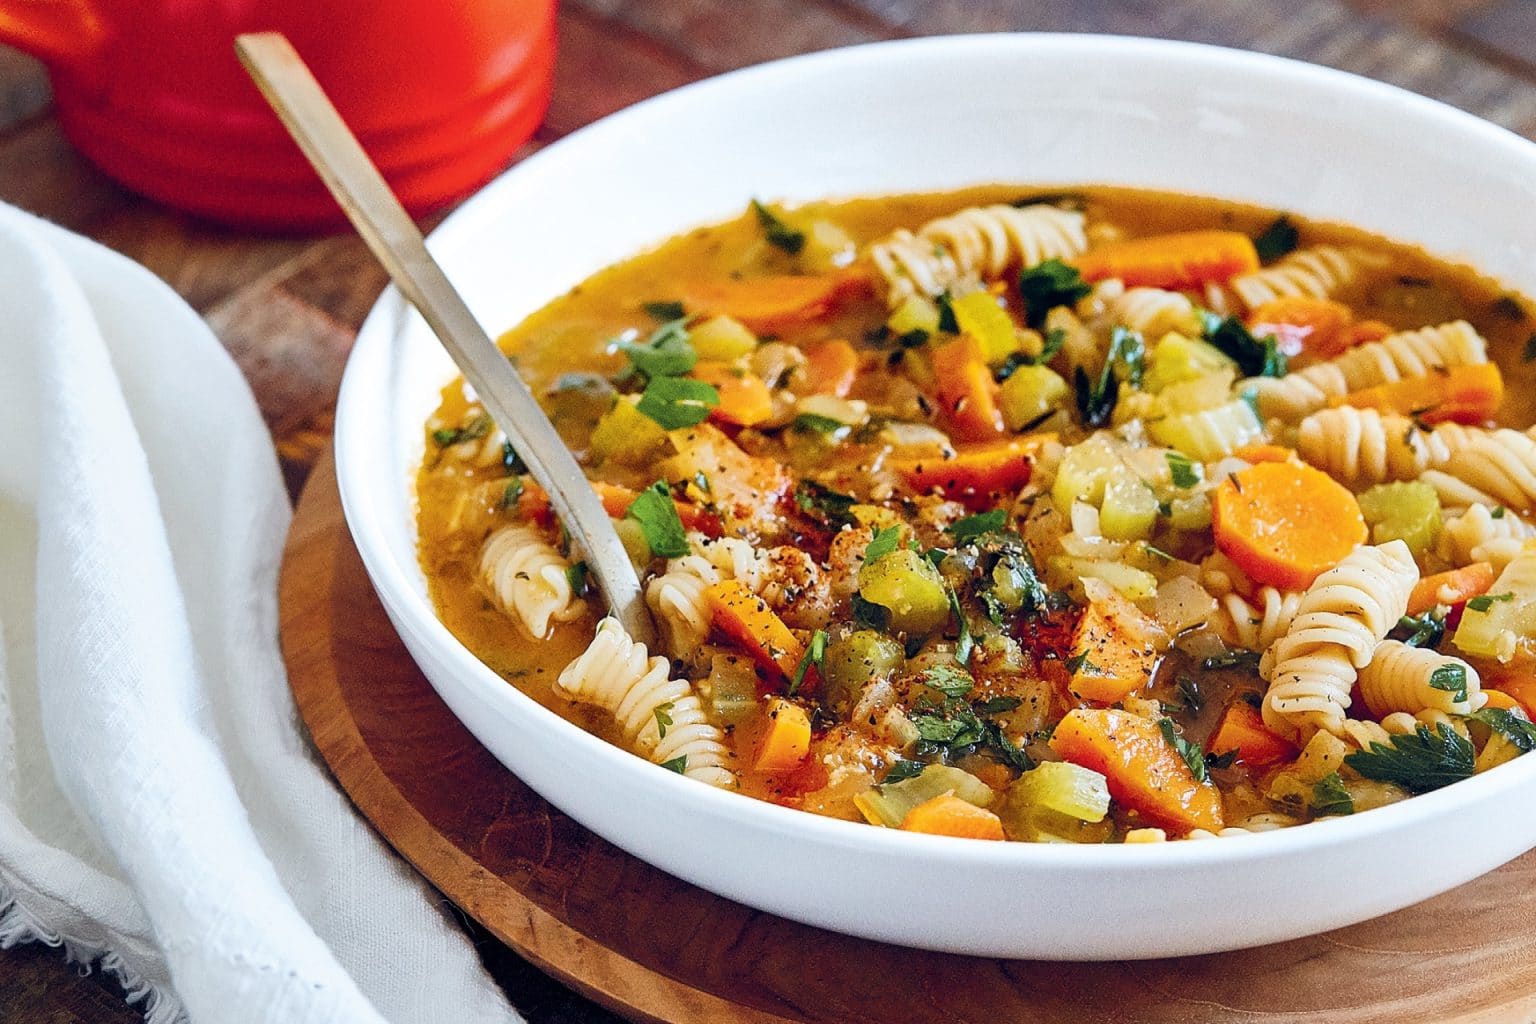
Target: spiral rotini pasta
<point>1403,678</point>
<point>1318,271</point>
<point>978,242</point>
<point>1344,614</point>
<point>1362,446</point>
<point>1393,358</point>
<point>1483,534</point>
<point>661,718</point>
<point>676,597</point>
<point>1154,312</point>
<point>1492,468</point>
<point>528,579</point>
<point>1255,625</point>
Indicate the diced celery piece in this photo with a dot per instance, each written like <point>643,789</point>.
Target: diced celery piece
<point>628,436</point>
<point>1409,512</point>
<point>722,337</point>
<point>1492,625</point>
<point>1129,509</point>
<point>979,315</point>
<point>1191,512</point>
<point>1063,787</point>
<point>1208,435</point>
<point>1031,392</point>
<point>732,686</point>
<point>1177,358</point>
<point>1196,395</point>
<point>1135,584</point>
<point>1029,822</point>
<point>914,314</point>
<point>851,661</point>
<point>632,536</point>
<point>889,805</point>
<point>1084,470</point>
<point>903,582</point>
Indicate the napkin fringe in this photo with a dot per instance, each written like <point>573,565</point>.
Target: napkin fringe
<point>18,925</point>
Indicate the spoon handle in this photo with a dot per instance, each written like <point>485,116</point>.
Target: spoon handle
<point>368,202</point>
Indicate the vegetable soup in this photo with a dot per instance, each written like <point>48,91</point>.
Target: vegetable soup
<point>1095,515</point>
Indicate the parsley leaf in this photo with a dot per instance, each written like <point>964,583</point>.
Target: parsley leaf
<point>956,726</point>
<point>777,232</point>
<point>948,322</point>
<point>677,402</point>
<point>1450,678</point>
<point>1277,240</point>
<point>815,651</point>
<point>811,423</point>
<point>1483,602</point>
<point>901,770</point>
<point>656,512</point>
<point>663,716</point>
<point>884,542</point>
<point>1189,693</point>
<point>1248,660</point>
<point>1185,472</point>
<point>973,526</point>
<point>1419,762</point>
<point>822,501</point>
<point>1255,357</point>
<point>867,614</point>
<point>1511,726</point>
<point>1095,403</point>
<point>1330,797</point>
<point>965,644</point>
<point>677,764</point>
<point>665,311</point>
<point>996,705</point>
<point>948,680</point>
<point>1190,752</point>
<point>1422,630</point>
<point>576,576</point>
<point>666,353</point>
<point>471,431</point>
<point>510,495</point>
<point>1047,285</point>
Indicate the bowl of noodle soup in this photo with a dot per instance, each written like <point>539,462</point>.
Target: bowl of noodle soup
<point>928,116</point>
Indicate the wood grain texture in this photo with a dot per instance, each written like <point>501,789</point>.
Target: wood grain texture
<point>653,947</point>
<point>287,307</point>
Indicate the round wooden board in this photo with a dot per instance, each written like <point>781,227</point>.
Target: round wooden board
<point>655,948</point>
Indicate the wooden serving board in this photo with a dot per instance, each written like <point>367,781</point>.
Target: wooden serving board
<point>652,947</point>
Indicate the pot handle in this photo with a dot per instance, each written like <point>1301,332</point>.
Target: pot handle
<point>67,33</point>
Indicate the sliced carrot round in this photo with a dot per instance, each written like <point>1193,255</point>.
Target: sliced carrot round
<point>1284,524</point>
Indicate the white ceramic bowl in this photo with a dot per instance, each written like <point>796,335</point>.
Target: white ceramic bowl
<point>938,114</point>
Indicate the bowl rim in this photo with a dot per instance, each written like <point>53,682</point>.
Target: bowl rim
<point>386,318</point>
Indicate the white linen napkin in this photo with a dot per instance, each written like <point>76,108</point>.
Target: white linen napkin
<point>160,811</point>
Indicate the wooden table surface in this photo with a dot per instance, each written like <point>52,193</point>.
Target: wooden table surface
<point>287,307</point>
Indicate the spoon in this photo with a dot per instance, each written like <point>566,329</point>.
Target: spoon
<point>330,146</point>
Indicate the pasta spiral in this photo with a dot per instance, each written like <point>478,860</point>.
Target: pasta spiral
<point>1255,625</point>
<point>528,579</point>
<point>661,718</point>
<point>1406,354</point>
<point>1479,535</point>
<point>1398,679</point>
<point>1361,446</point>
<point>977,242</point>
<point>1318,271</point>
<point>676,597</point>
<point>1343,615</point>
<point>1493,468</point>
<point>1153,312</point>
